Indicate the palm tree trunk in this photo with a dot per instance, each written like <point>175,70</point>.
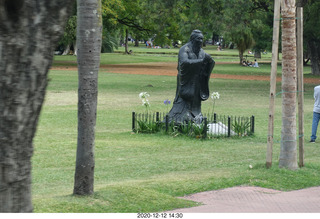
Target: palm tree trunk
<point>89,36</point>
<point>288,152</point>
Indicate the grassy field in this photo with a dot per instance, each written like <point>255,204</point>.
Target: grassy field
<point>147,172</point>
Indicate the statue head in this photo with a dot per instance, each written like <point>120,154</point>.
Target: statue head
<point>196,37</point>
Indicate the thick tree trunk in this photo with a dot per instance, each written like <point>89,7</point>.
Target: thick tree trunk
<point>136,43</point>
<point>241,57</point>
<point>66,50</point>
<point>126,42</point>
<point>288,152</point>
<point>29,31</point>
<point>75,48</point>
<point>89,36</point>
<point>257,54</point>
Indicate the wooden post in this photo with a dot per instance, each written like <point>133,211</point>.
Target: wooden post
<point>229,126</point>
<point>300,83</point>
<point>252,124</point>
<point>273,81</point>
<point>205,127</point>
<point>133,121</point>
<point>167,123</point>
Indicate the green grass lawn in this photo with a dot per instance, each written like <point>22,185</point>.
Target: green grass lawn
<point>143,54</point>
<point>147,172</point>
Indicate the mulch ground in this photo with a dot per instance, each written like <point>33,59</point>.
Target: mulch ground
<point>170,69</point>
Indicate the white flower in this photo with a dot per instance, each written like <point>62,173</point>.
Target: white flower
<point>250,166</point>
<point>145,102</point>
<point>144,95</point>
<point>215,95</point>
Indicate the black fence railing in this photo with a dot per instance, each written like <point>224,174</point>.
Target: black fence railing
<point>211,126</point>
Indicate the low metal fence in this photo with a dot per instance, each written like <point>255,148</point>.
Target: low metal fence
<point>213,125</point>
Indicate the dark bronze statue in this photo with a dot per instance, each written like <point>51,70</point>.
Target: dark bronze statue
<point>194,70</point>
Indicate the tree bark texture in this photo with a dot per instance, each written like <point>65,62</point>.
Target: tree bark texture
<point>89,34</point>
<point>29,31</point>
<point>288,152</point>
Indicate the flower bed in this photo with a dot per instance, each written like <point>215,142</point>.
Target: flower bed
<point>211,126</point>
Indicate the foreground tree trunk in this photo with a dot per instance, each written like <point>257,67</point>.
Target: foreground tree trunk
<point>288,152</point>
<point>89,35</point>
<point>29,31</point>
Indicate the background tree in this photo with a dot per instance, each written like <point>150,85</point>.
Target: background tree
<point>69,37</point>
<point>311,34</point>
<point>89,36</point>
<point>165,16</point>
<point>262,26</point>
<point>109,41</point>
<point>29,32</point>
<point>238,25</point>
<point>126,15</point>
<point>205,15</point>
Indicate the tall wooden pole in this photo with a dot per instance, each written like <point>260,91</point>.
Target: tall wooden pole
<point>273,80</point>
<point>300,82</point>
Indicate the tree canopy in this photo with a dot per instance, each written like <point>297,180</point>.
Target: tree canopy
<point>242,24</point>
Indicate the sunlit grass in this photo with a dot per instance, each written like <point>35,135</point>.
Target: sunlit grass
<point>146,173</point>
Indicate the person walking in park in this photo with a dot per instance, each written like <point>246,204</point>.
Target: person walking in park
<point>316,113</point>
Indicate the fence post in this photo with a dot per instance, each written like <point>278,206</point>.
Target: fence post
<point>167,123</point>
<point>205,127</point>
<point>133,121</point>
<point>229,126</point>
<point>214,118</point>
<point>157,117</point>
<point>252,124</point>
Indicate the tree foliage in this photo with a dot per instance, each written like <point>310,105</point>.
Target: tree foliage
<point>311,34</point>
<point>245,24</point>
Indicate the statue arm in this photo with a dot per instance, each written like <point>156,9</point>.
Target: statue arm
<point>205,76</point>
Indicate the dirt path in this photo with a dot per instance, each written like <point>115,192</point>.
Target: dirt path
<point>248,199</point>
<point>170,69</point>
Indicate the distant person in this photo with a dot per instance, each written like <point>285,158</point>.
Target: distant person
<point>316,113</point>
<point>255,64</point>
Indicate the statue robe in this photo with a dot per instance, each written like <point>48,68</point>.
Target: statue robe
<point>192,84</point>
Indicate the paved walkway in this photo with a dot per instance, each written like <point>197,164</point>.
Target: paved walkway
<point>255,200</point>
